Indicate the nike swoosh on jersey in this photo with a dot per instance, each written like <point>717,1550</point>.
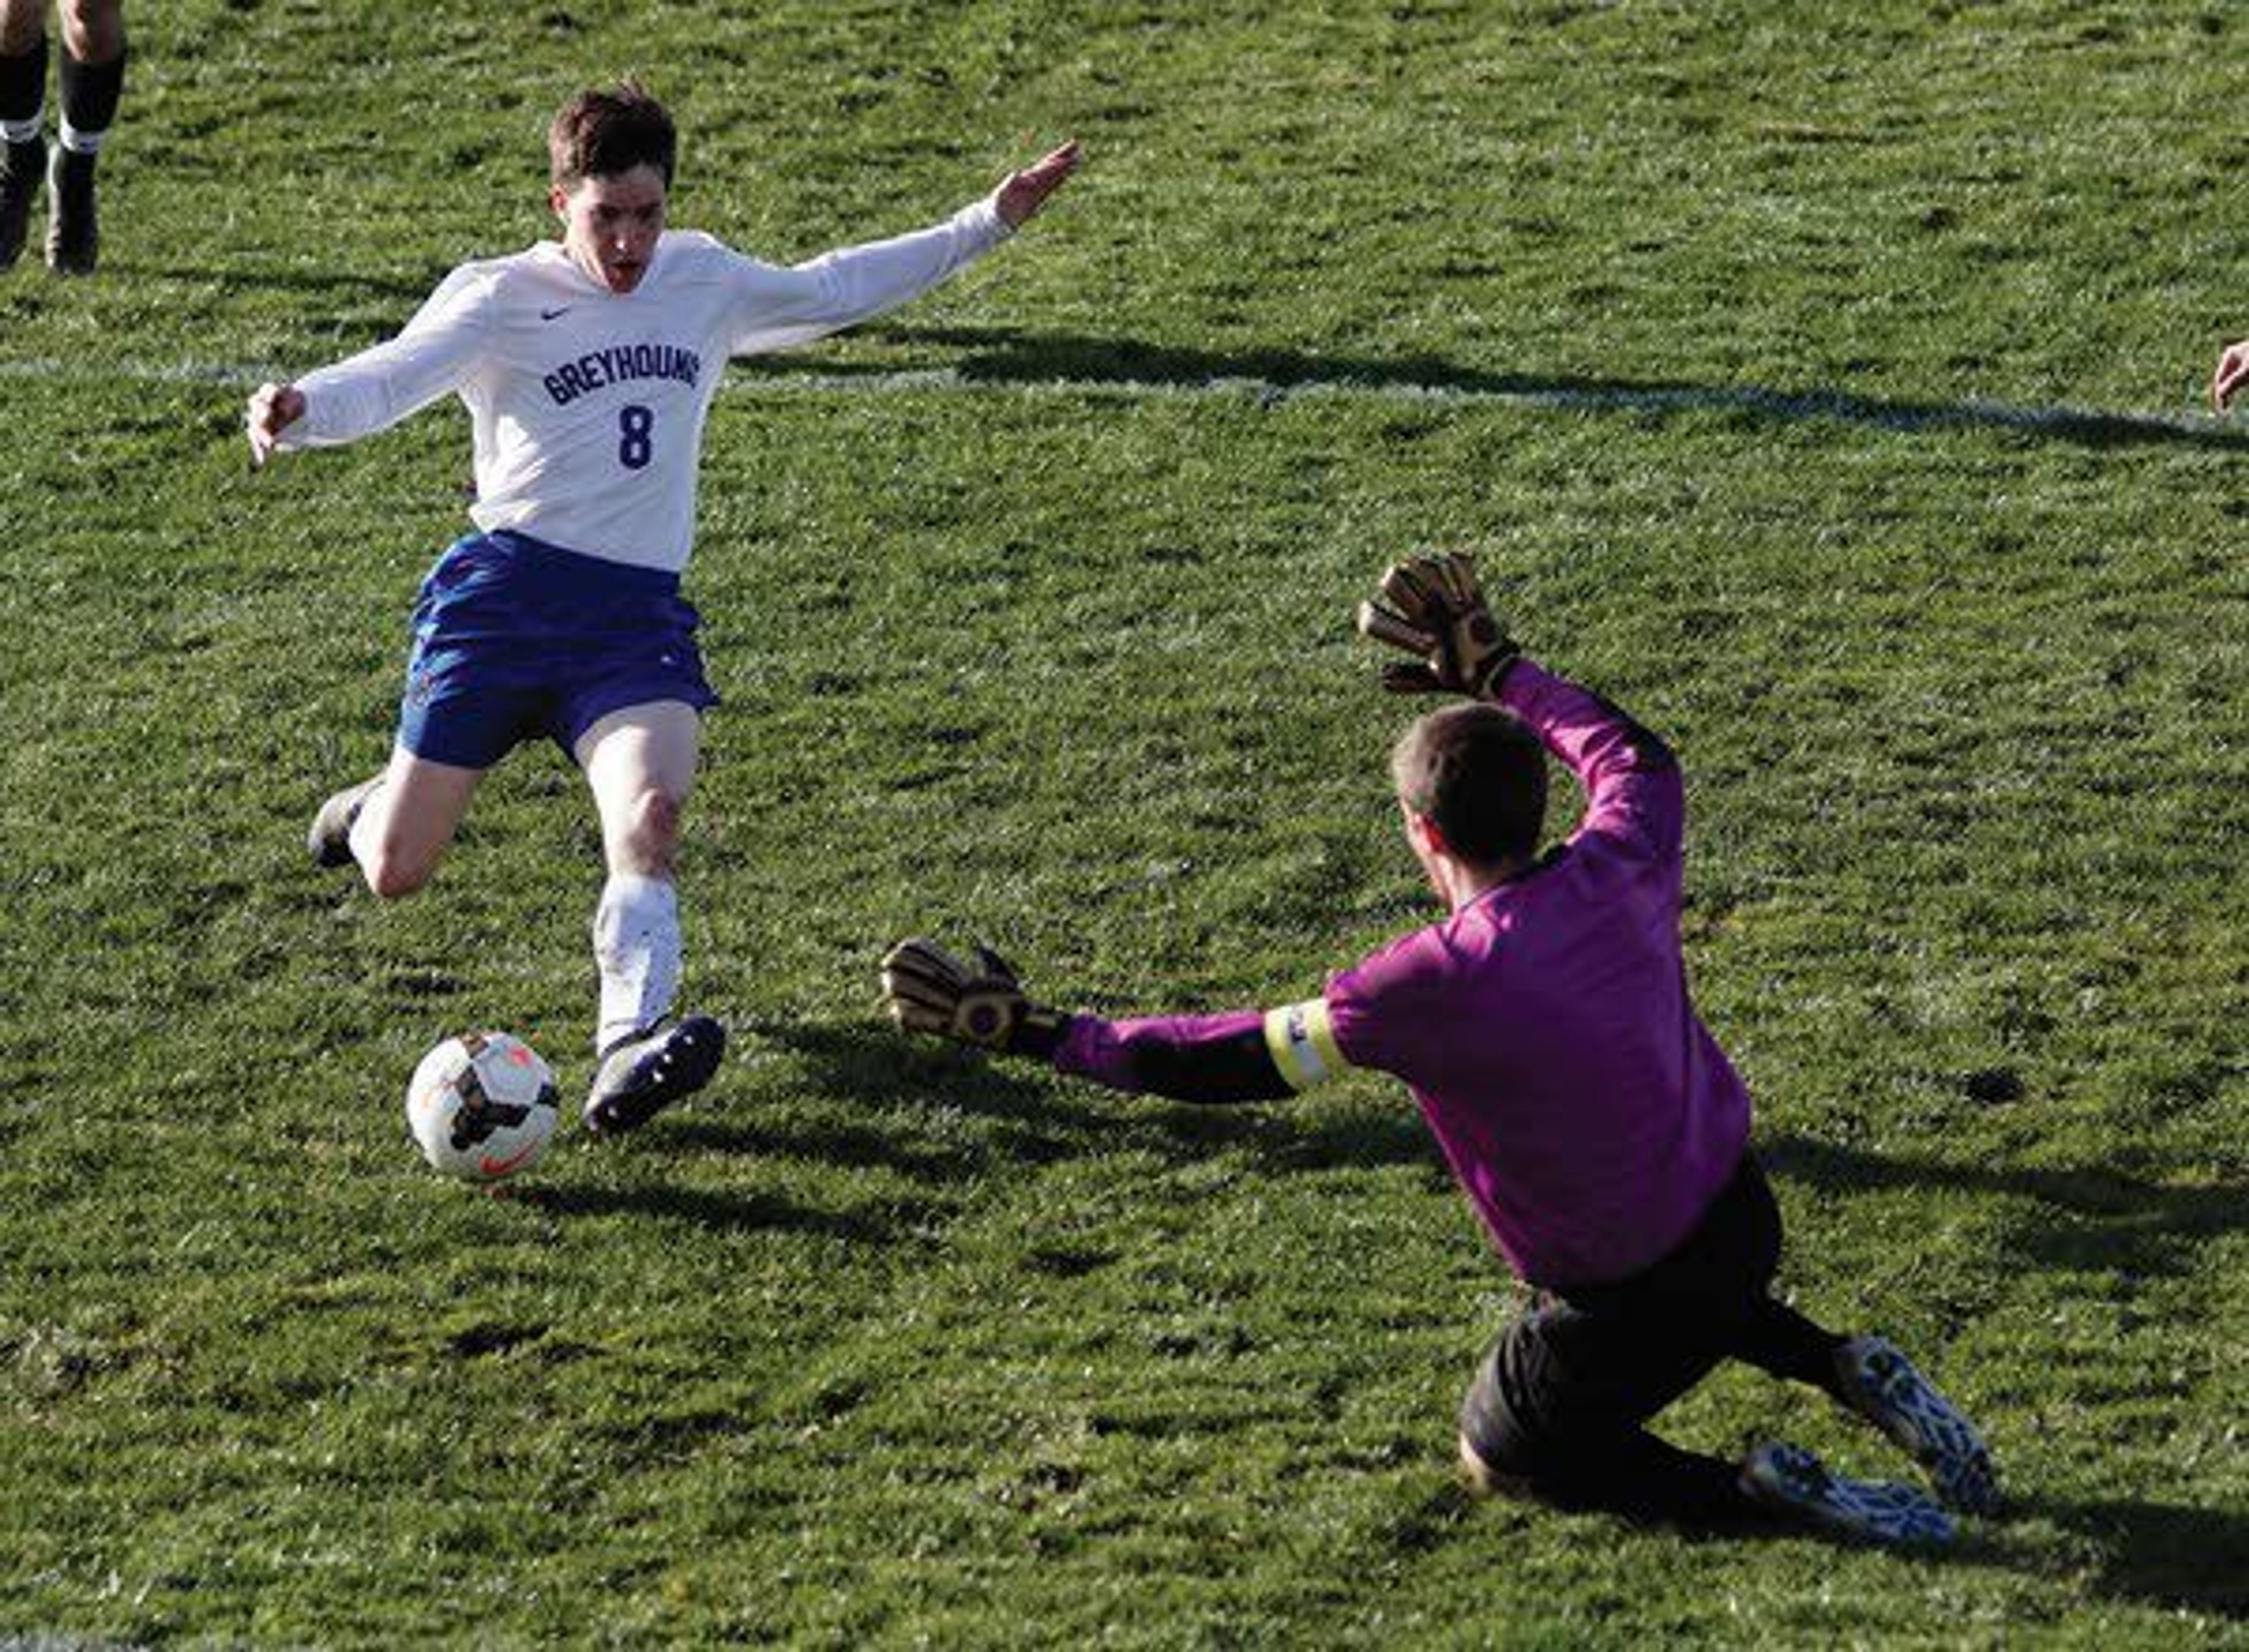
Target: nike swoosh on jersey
<point>548,315</point>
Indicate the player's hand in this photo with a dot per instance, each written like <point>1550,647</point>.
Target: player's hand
<point>1022,194</point>
<point>975,1001</point>
<point>2232,373</point>
<point>1435,611</point>
<point>273,409</point>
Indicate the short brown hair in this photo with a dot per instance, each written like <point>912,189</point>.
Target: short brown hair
<point>1479,774</point>
<point>603,131</point>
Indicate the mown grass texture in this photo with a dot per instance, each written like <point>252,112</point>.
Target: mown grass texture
<point>1818,380</point>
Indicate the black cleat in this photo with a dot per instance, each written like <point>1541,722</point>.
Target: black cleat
<point>20,164</point>
<point>330,838</point>
<point>73,237</point>
<point>646,1073</point>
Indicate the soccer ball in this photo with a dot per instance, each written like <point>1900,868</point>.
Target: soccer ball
<point>481,1106</point>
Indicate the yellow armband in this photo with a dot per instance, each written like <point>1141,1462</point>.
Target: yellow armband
<point>1302,1044</point>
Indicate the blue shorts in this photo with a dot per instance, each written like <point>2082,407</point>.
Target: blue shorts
<point>514,638</point>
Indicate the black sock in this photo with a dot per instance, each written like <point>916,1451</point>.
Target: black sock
<point>1784,1342</point>
<point>24,83</point>
<point>90,92</point>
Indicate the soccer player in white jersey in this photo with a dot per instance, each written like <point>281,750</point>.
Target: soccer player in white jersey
<point>588,366</point>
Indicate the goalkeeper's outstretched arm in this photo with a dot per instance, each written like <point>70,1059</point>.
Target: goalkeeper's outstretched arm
<point>1242,1055</point>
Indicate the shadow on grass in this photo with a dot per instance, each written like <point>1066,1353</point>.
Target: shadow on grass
<point>2127,1224</point>
<point>1393,1135</point>
<point>864,1065</point>
<point>2148,1554</point>
<point>825,1143</point>
<point>1010,357</point>
<point>2163,1554</point>
<point>1290,1141</point>
<point>867,1065</point>
<point>407,289</point>
<point>717,1212</point>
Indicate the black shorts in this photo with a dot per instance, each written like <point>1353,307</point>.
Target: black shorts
<point>1583,1370</point>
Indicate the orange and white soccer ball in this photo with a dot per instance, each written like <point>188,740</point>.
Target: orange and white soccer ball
<point>481,1107</point>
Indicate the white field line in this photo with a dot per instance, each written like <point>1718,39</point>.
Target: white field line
<point>1842,406</point>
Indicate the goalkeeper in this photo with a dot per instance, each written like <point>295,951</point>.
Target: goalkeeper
<point>1544,1030</point>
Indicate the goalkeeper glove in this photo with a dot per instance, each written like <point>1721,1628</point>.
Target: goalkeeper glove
<point>975,1002</point>
<point>1437,612</point>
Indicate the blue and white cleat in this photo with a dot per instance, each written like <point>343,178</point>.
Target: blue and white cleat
<point>641,1075</point>
<point>1884,1387</point>
<point>1791,1480</point>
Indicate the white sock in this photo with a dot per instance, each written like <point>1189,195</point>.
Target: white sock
<point>80,142</point>
<point>636,944</point>
<point>21,131</point>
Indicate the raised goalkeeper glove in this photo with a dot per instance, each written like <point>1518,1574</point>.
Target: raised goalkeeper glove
<point>977,1002</point>
<point>1436,611</point>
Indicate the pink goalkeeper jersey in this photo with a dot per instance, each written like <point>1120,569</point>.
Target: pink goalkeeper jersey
<point>1544,1029</point>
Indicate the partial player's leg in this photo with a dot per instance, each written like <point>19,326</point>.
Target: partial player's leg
<point>93,31</point>
<point>1870,1375</point>
<point>1564,1398</point>
<point>23,99</point>
<point>639,762</point>
<point>396,825</point>
<point>1552,1415</point>
<point>1558,1410</point>
<point>470,698</point>
<point>93,80</point>
<point>1772,1336</point>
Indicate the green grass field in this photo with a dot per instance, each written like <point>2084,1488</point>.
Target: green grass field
<point>1821,380</point>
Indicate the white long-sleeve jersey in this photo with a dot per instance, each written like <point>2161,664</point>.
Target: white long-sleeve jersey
<point>589,405</point>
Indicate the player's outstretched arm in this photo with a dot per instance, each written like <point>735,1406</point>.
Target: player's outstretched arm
<point>1431,608</point>
<point>779,309</point>
<point>436,353</point>
<point>1241,1057</point>
<point>273,409</point>
<point>2232,373</point>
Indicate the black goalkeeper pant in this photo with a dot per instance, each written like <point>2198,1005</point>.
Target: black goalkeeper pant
<point>1560,1404</point>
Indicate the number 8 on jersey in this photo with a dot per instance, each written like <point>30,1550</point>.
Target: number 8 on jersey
<point>636,435</point>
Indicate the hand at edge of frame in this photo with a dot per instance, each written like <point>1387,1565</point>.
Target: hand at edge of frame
<point>1022,194</point>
